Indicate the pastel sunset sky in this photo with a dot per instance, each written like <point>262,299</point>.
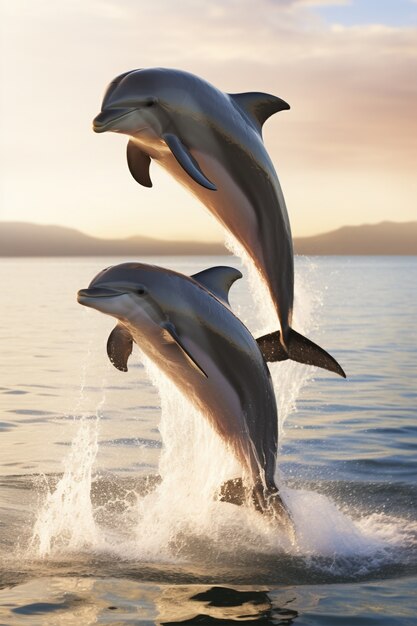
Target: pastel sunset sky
<point>346,152</point>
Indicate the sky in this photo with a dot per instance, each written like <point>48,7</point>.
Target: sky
<point>346,152</point>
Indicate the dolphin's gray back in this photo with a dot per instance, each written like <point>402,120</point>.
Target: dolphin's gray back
<point>240,361</point>
<point>249,201</point>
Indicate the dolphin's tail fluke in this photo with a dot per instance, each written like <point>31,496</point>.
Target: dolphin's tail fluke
<point>299,349</point>
<point>265,500</point>
<point>268,501</point>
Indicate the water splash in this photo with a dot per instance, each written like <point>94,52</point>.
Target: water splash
<point>65,521</point>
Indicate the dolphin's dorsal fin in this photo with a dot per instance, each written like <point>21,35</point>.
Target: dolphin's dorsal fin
<point>138,162</point>
<point>171,335</point>
<point>187,161</point>
<point>259,106</point>
<point>218,280</point>
<point>119,347</point>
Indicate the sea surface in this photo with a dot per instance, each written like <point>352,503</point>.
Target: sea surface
<point>108,513</point>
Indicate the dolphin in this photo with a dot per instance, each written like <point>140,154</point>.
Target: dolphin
<point>186,327</point>
<point>211,142</point>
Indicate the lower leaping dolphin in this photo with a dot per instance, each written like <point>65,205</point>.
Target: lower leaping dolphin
<point>185,325</point>
<point>212,143</point>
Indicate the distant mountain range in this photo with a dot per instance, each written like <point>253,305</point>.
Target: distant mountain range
<point>393,238</point>
<point>24,239</point>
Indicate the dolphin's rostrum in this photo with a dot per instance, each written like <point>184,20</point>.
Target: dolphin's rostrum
<point>186,327</point>
<point>212,143</point>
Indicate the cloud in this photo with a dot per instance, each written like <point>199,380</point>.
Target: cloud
<point>322,3</point>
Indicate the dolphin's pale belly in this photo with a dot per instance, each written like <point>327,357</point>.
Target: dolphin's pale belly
<point>228,204</point>
<point>214,396</point>
<point>261,229</point>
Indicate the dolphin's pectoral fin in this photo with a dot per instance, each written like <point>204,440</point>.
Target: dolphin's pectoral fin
<point>138,162</point>
<point>218,280</point>
<point>119,347</point>
<point>300,349</point>
<point>259,106</point>
<point>187,161</point>
<point>171,332</point>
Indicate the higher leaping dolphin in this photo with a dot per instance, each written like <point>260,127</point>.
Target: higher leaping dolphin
<point>185,325</point>
<point>212,143</point>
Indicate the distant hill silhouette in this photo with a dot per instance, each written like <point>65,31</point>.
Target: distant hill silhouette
<point>384,238</point>
<point>24,239</point>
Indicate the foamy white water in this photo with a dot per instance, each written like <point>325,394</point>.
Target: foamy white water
<point>65,522</point>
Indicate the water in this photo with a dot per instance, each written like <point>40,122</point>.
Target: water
<point>106,483</point>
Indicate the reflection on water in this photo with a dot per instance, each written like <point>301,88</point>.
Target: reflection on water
<point>216,604</point>
<point>70,601</point>
<point>75,601</point>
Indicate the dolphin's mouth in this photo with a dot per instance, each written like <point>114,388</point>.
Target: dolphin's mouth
<point>97,292</point>
<point>106,119</point>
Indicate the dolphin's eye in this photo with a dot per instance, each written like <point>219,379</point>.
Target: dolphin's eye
<point>141,291</point>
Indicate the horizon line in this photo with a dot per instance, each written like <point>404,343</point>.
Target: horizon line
<point>186,240</point>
